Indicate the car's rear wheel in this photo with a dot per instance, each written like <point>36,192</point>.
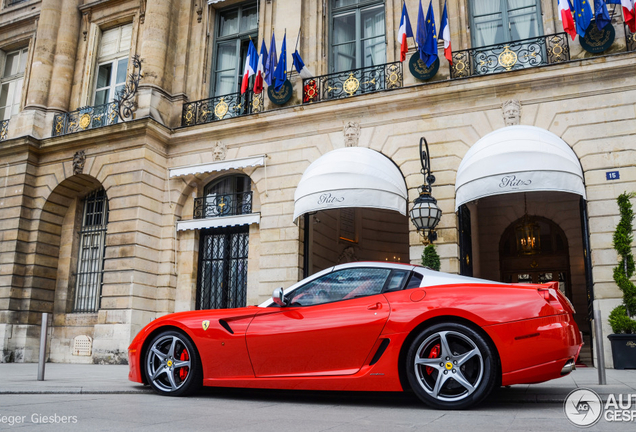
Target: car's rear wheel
<point>451,366</point>
<point>172,364</point>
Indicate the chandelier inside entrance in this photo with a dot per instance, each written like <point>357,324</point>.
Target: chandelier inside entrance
<point>528,233</point>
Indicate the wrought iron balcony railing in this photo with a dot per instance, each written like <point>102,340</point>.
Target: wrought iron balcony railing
<point>4,129</point>
<point>354,82</point>
<point>221,107</point>
<point>538,51</point>
<point>90,117</point>
<point>223,205</point>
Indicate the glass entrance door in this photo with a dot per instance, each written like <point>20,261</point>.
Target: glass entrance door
<point>222,280</point>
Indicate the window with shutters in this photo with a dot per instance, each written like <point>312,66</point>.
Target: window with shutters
<point>12,80</point>
<point>112,63</point>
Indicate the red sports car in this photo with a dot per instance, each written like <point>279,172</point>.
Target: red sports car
<point>368,326</point>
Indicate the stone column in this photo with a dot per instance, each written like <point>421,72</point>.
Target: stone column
<point>44,53</point>
<point>64,60</point>
<point>154,45</point>
<point>153,98</point>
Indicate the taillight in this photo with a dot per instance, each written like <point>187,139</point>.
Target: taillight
<point>545,293</point>
<point>551,297</point>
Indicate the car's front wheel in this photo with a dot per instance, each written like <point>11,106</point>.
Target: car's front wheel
<point>172,364</point>
<point>451,366</point>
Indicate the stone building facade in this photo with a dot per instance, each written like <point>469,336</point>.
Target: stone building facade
<point>109,222</point>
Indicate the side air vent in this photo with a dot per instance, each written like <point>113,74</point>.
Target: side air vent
<point>380,351</point>
<point>226,326</point>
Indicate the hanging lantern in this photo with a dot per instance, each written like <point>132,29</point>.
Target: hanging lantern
<point>425,213</point>
<point>528,233</point>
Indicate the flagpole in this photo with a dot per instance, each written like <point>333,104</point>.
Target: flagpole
<point>300,30</point>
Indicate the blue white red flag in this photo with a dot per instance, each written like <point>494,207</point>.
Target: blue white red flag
<point>629,13</point>
<point>260,69</point>
<point>582,15</point>
<point>280,74</point>
<point>272,61</point>
<point>444,34</point>
<point>430,45</point>
<point>405,31</point>
<point>302,70</point>
<point>251,63</point>
<point>565,15</point>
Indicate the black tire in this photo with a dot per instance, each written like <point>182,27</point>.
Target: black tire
<point>466,364</point>
<point>172,365</point>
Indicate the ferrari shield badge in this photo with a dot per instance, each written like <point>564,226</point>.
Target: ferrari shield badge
<point>205,324</point>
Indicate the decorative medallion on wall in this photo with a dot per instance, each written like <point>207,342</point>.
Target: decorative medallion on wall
<point>507,58</point>
<point>419,70</point>
<point>79,160</point>
<point>220,151</point>
<point>351,134</point>
<point>597,41</point>
<point>281,97</point>
<point>511,110</point>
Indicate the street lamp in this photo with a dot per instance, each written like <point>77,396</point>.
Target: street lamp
<point>425,213</point>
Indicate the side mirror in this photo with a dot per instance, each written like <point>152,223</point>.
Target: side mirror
<point>279,297</point>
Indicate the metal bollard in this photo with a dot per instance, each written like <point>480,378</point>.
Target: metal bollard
<point>600,357</point>
<point>43,335</point>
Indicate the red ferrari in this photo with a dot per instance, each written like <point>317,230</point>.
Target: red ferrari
<point>368,327</point>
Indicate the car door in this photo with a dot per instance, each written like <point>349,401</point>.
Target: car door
<point>329,327</point>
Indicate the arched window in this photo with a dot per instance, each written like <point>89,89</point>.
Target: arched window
<point>549,263</point>
<point>228,196</point>
<point>90,263</point>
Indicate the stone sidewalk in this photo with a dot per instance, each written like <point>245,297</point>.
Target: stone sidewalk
<point>21,378</point>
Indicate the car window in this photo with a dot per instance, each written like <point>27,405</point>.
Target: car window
<point>415,281</point>
<point>341,285</point>
<point>397,279</point>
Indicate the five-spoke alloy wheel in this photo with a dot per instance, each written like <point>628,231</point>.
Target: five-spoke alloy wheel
<point>172,364</point>
<point>451,366</point>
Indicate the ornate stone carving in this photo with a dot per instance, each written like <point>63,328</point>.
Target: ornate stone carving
<point>351,134</point>
<point>79,159</point>
<point>219,152</point>
<point>511,110</point>
<point>348,255</point>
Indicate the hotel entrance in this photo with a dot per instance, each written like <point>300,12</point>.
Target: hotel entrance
<point>521,211</point>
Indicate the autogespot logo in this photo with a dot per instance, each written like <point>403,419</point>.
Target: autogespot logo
<point>583,407</point>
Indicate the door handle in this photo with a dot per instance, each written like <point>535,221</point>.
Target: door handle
<point>375,306</point>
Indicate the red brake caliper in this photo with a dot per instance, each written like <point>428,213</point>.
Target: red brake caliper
<point>433,354</point>
<point>183,372</point>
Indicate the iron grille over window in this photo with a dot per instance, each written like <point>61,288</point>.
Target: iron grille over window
<point>90,264</point>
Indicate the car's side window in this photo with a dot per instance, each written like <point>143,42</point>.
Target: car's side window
<point>341,285</point>
<point>397,280</point>
<point>415,281</point>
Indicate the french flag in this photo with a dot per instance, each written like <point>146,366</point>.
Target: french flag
<point>404,32</point>
<point>260,69</point>
<point>629,14</point>
<point>565,14</point>
<point>299,64</point>
<point>251,63</point>
<point>444,34</point>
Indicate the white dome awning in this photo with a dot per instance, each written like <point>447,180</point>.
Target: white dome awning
<point>351,177</point>
<point>518,159</point>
